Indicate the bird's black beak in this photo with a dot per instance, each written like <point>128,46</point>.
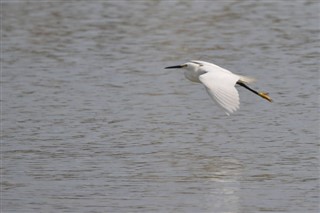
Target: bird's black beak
<point>174,67</point>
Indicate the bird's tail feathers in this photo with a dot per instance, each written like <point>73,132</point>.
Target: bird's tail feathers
<point>246,79</point>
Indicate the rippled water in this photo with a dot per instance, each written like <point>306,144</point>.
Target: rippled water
<point>91,122</point>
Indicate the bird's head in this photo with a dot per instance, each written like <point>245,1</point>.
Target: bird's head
<point>192,65</point>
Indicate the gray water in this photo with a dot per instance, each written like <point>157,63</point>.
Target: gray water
<point>91,122</point>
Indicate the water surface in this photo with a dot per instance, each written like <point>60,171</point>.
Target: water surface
<point>91,122</point>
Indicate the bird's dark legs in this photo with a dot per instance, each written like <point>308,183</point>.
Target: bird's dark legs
<point>261,94</point>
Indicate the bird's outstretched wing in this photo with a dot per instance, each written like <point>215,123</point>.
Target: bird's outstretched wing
<point>221,88</point>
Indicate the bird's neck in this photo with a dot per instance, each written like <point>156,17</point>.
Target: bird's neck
<point>193,75</point>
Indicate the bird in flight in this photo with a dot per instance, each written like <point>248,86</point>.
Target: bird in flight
<point>219,83</point>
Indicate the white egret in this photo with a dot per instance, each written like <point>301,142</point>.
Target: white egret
<point>219,83</point>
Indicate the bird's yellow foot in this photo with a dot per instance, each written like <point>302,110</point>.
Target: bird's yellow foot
<point>265,96</point>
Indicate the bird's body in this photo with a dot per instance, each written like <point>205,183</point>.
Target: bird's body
<point>219,83</point>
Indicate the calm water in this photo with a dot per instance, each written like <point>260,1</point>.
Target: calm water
<point>91,122</point>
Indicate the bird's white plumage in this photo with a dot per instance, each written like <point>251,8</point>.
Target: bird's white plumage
<point>221,88</point>
<point>219,83</point>
<point>211,67</point>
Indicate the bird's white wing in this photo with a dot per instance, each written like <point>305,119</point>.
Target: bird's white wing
<point>221,88</point>
<point>209,66</point>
